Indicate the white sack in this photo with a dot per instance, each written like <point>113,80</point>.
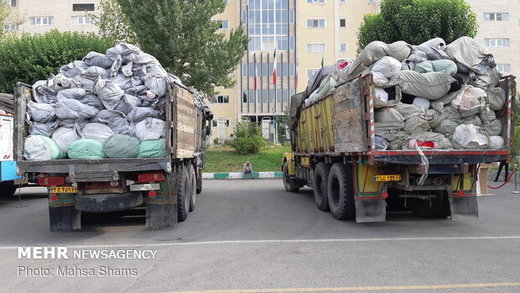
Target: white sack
<point>97,131</point>
<point>65,136</point>
<point>150,129</point>
<point>469,137</point>
<point>109,93</point>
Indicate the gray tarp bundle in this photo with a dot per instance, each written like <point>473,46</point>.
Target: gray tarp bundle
<point>428,92</point>
<point>121,92</point>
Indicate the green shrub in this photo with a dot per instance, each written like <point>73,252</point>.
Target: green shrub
<point>30,58</point>
<point>249,138</point>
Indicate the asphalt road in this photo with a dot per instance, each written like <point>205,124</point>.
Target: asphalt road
<point>252,236</point>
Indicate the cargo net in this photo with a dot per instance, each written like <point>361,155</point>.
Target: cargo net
<point>430,96</point>
<point>106,106</point>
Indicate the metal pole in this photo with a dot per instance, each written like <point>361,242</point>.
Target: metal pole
<point>516,191</point>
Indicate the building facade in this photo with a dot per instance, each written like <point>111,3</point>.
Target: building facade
<point>499,30</point>
<point>63,15</point>
<point>305,34</point>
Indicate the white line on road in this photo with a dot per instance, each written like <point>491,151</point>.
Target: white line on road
<point>224,242</point>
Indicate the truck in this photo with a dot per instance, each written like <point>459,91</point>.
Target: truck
<point>334,152</point>
<point>166,186</point>
<point>8,171</point>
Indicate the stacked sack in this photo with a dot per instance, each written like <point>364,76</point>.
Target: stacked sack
<point>430,95</point>
<point>106,106</point>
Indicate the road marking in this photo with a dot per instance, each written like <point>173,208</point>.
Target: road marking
<point>347,289</point>
<point>224,242</point>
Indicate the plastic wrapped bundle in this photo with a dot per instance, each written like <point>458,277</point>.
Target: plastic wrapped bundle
<point>152,149</point>
<point>41,148</point>
<point>74,109</point>
<point>43,128</point>
<point>98,59</point>
<point>117,121</point>
<point>41,112</point>
<point>388,118</point>
<point>150,129</point>
<point>97,131</point>
<point>88,149</point>
<point>470,137</point>
<point>75,93</point>
<point>109,93</point>
<point>140,113</point>
<point>65,136</point>
<point>121,146</point>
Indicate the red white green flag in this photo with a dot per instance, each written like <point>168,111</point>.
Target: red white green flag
<point>274,67</point>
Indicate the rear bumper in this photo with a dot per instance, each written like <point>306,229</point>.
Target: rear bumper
<point>100,203</point>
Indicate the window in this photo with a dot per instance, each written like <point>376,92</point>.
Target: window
<point>224,24</point>
<point>11,27</point>
<point>13,2</point>
<point>499,42</point>
<point>342,1</point>
<point>316,23</point>
<point>311,73</point>
<point>504,67</point>
<point>316,48</point>
<point>221,99</point>
<point>82,20</point>
<point>343,47</point>
<point>42,20</point>
<point>219,122</point>
<point>342,22</point>
<point>315,1</point>
<point>496,16</point>
<point>83,7</point>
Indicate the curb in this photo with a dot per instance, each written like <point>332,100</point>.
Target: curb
<point>240,175</point>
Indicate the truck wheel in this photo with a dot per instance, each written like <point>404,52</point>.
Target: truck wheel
<point>425,208</point>
<point>183,188</point>
<point>321,174</point>
<point>193,187</point>
<point>199,181</point>
<point>288,182</point>
<point>7,189</point>
<point>340,192</point>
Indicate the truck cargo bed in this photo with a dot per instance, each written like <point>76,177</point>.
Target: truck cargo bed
<point>102,165</point>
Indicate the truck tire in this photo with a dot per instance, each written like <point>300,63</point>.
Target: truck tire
<point>340,192</point>
<point>321,174</point>
<point>288,182</point>
<point>422,208</point>
<point>7,189</point>
<point>183,190</point>
<point>193,187</point>
<point>199,181</point>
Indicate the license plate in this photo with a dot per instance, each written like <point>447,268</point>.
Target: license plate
<point>386,178</point>
<point>63,189</point>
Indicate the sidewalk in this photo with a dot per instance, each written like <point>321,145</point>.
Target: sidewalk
<point>239,175</point>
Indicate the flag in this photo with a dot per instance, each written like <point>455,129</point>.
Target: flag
<point>255,84</point>
<point>274,67</point>
<point>321,61</point>
<point>296,77</point>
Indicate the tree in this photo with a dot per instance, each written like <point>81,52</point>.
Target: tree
<point>417,21</point>
<point>184,38</point>
<point>8,17</point>
<point>248,138</point>
<point>30,58</point>
<point>112,24</point>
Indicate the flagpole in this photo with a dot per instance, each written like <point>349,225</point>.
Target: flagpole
<point>275,86</point>
<point>247,60</point>
<point>256,82</point>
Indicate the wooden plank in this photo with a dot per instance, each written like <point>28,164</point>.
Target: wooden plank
<point>348,118</point>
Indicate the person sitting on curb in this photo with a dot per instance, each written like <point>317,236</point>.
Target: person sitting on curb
<point>247,170</point>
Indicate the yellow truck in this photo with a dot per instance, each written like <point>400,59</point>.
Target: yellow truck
<point>334,152</point>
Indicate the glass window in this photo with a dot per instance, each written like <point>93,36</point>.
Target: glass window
<point>45,20</point>
<point>496,16</point>
<point>315,48</point>
<point>343,47</point>
<point>82,20</point>
<point>504,67</point>
<point>342,22</point>
<point>315,1</point>
<point>316,23</point>
<point>13,2</point>
<point>498,42</point>
<point>83,7</point>
<point>221,99</point>
<point>224,24</point>
<point>311,73</point>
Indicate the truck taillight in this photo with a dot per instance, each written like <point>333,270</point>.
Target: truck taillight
<point>150,177</point>
<point>51,181</point>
